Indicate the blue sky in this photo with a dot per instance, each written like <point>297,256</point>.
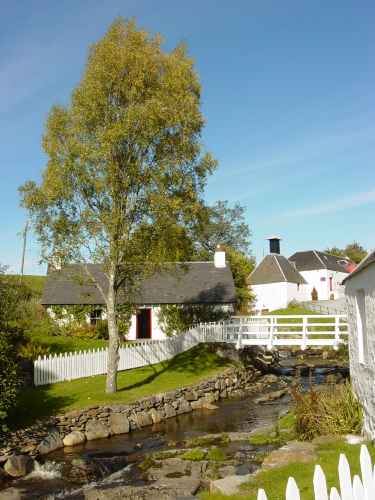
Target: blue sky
<point>288,94</point>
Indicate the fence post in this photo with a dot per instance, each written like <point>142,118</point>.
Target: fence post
<point>271,332</point>
<point>239,339</point>
<point>304,333</point>
<point>337,333</point>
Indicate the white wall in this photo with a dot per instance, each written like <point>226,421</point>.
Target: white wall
<point>363,374</point>
<point>156,331</point>
<point>278,295</point>
<point>314,279</point>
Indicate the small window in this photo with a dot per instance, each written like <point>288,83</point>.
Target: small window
<point>360,303</point>
<point>95,316</point>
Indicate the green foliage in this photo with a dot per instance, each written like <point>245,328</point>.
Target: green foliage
<point>194,455</point>
<point>222,225</point>
<point>14,295</point>
<point>126,168</point>
<point>241,266</point>
<point>353,251</point>
<point>334,410</point>
<point>33,282</point>
<point>9,377</point>
<point>175,319</point>
<point>216,454</point>
<point>32,350</point>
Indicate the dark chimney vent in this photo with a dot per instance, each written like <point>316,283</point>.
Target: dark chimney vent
<point>274,244</point>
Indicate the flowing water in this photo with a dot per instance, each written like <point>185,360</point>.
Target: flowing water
<point>114,461</point>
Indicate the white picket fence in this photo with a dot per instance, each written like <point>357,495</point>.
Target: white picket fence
<point>358,488</point>
<point>74,365</point>
<point>268,331</point>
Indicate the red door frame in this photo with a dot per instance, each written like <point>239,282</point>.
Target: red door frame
<point>148,320</point>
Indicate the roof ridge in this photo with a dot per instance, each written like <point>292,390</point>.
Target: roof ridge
<point>278,263</point>
<point>321,260</point>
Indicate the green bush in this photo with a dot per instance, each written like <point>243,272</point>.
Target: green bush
<point>101,329</point>
<point>32,350</point>
<point>9,377</point>
<point>334,410</point>
<point>216,454</point>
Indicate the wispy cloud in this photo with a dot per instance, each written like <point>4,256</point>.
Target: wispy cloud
<point>337,205</point>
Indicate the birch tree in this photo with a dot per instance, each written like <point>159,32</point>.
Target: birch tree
<point>126,169</point>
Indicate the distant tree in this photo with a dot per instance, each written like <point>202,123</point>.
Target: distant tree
<point>226,226</point>
<point>338,252</point>
<point>126,171</point>
<point>353,251</point>
<point>221,224</point>
<point>241,266</point>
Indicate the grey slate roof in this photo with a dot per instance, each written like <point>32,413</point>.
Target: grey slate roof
<point>311,260</point>
<point>183,283</point>
<point>275,268</point>
<point>369,259</point>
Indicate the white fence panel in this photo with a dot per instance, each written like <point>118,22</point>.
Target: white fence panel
<point>74,365</point>
<point>357,489</point>
<point>268,331</point>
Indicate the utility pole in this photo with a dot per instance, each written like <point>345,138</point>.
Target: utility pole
<point>24,247</point>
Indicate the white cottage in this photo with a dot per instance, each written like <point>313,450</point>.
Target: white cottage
<point>322,271</point>
<point>208,283</point>
<point>360,299</point>
<point>275,281</point>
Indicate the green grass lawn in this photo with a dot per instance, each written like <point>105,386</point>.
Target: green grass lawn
<point>36,283</point>
<point>184,369</point>
<point>59,344</point>
<point>274,481</point>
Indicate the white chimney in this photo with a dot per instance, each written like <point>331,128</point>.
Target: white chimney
<point>219,257</point>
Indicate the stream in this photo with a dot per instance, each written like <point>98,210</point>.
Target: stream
<point>66,473</point>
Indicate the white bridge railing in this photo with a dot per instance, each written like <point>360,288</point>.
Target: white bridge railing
<point>269,331</point>
<point>274,331</point>
<point>358,488</point>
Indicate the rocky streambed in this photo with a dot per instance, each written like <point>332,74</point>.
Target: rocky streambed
<point>180,456</point>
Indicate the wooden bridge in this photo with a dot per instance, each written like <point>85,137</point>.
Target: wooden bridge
<point>276,331</point>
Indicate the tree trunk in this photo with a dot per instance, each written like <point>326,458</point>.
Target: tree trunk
<point>114,341</point>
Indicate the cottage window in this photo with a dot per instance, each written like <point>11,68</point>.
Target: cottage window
<point>360,303</point>
<point>95,316</point>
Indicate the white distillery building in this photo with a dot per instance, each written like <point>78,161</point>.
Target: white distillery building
<point>199,283</point>
<point>276,282</point>
<point>360,299</point>
<point>322,271</point>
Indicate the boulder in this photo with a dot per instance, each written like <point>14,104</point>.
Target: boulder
<point>119,423</point>
<point>271,396</point>
<point>229,485</point>
<point>50,443</point>
<point>156,415</point>
<point>143,419</point>
<point>169,411</point>
<point>74,438</point>
<point>96,430</point>
<point>293,452</point>
<point>19,465</point>
<point>184,407</point>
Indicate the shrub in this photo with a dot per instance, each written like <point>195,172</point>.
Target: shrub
<point>101,329</point>
<point>9,377</point>
<point>216,454</point>
<point>334,410</point>
<point>32,350</point>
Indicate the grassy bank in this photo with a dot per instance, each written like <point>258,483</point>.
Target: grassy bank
<point>57,344</point>
<point>274,481</point>
<point>184,369</point>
